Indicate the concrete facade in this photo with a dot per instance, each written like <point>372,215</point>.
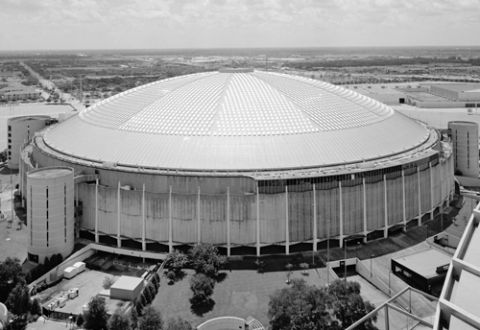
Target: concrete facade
<point>21,129</point>
<point>50,209</point>
<point>465,147</point>
<point>125,206</point>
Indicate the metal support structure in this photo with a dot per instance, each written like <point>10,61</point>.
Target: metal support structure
<point>258,223</point>
<point>387,322</point>
<point>287,230</point>
<point>228,222</point>
<point>315,234</point>
<point>385,230</point>
<point>328,251</point>
<point>199,221</point>
<point>96,211</point>
<point>432,207</point>
<point>119,241</point>
<point>404,202</point>
<point>170,222</point>
<point>341,213</point>
<point>419,199</point>
<point>365,227</point>
<point>144,243</point>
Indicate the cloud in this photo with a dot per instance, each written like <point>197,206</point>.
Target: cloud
<point>28,24</point>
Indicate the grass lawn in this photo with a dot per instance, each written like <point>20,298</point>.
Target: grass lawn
<point>240,293</point>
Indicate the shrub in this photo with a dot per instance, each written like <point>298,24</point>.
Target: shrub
<point>108,282</point>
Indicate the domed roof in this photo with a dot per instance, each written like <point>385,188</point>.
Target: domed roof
<point>236,120</point>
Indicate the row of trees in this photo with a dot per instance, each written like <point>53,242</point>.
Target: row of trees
<point>96,318</point>
<point>207,262</point>
<point>308,307</point>
<point>48,264</point>
<point>146,297</point>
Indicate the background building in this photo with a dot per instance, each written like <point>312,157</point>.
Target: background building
<point>253,162</point>
<point>458,92</point>
<point>464,137</point>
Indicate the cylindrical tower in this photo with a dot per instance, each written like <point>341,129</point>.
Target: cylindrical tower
<point>50,211</point>
<point>465,147</point>
<point>20,129</point>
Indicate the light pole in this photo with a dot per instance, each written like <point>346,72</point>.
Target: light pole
<point>356,249</point>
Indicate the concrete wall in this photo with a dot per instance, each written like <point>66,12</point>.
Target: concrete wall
<point>465,147</point>
<point>21,129</point>
<point>228,211</point>
<point>50,212</point>
<point>223,323</point>
<point>469,97</point>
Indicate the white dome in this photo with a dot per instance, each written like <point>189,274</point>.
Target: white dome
<point>236,121</point>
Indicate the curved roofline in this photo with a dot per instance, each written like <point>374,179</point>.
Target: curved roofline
<point>239,122</point>
<point>388,160</point>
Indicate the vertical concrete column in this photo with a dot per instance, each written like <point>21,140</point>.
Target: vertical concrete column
<point>419,199</point>
<point>385,230</point>
<point>404,202</point>
<point>96,211</point>
<point>287,230</point>
<point>365,227</point>
<point>170,222</point>
<point>228,222</point>
<point>76,223</point>
<point>199,220</point>
<point>431,190</point>
<point>341,236</point>
<point>119,241</point>
<point>258,223</point>
<point>144,243</point>
<point>315,239</point>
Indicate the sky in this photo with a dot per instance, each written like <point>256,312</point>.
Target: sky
<point>166,24</point>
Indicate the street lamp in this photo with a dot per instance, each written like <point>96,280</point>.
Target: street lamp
<point>356,248</point>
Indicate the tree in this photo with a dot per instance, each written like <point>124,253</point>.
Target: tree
<point>176,260</point>
<point>3,156</point>
<point>108,282</point>
<point>18,302</point>
<point>151,288</point>
<point>178,324</point>
<point>119,321</point>
<point>150,320</point>
<point>80,320</point>
<point>348,305</point>
<point>36,308</point>
<point>134,316</point>
<point>148,296</point>
<point>156,281</point>
<point>143,301</point>
<point>206,259</point>
<point>96,316</point>
<point>300,306</point>
<point>11,274</point>
<point>202,288</point>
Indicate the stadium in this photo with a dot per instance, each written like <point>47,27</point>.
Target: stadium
<point>253,162</point>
